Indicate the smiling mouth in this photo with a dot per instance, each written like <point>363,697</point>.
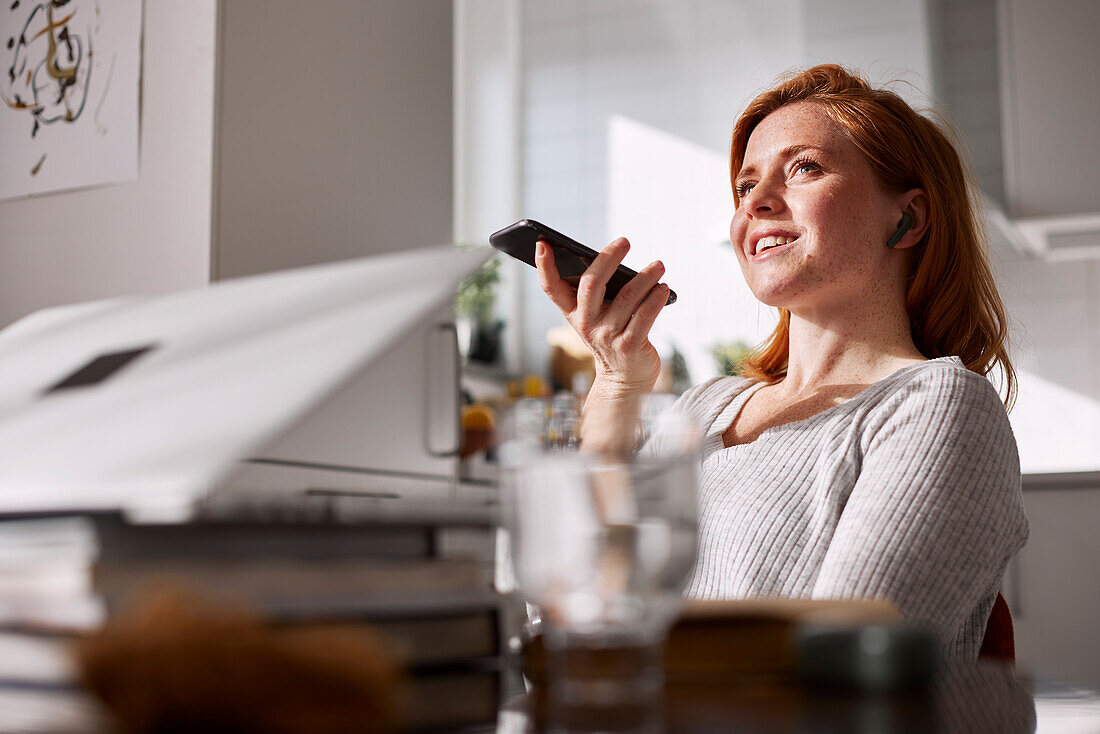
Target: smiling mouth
<point>768,243</point>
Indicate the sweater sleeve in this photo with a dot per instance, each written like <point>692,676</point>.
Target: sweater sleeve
<point>936,511</point>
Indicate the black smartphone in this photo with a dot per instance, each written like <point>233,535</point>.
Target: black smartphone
<point>571,257</point>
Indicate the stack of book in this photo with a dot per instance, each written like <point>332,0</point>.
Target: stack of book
<point>301,562</point>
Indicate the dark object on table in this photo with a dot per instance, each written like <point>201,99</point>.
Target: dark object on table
<point>872,658</point>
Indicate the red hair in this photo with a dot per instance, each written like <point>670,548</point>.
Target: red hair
<point>951,298</point>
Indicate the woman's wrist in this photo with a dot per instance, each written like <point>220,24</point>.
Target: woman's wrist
<point>609,419</point>
<point>613,385</point>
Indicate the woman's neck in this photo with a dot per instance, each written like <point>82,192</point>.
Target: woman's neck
<point>857,345</point>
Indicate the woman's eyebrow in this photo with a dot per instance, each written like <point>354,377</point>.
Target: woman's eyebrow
<point>786,154</point>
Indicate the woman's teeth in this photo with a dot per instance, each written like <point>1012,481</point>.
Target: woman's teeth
<point>766,243</point>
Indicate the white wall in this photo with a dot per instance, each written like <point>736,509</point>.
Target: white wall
<point>152,234</point>
<point>335,131</point>
<point>487,142</point>
<point>487,146</point>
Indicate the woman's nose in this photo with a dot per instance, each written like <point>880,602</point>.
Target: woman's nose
<point>762,199</point>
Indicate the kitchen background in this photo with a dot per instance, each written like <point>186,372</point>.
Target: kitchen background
<point>274,136</point>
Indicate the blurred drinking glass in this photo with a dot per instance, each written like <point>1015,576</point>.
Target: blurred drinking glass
<point>602,546</point>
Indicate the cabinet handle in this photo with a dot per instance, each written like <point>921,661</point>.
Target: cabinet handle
<point>454,399</point>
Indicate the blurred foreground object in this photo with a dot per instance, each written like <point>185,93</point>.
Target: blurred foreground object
<point>601,545</point>
<point>284,380</point>
<point>869,657</point>
<point>322,567</point>
<point>722,640</point>
<point>751,665</point>
<point>172,663</point>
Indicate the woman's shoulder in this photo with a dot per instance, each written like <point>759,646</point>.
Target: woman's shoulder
<point>941,381</point>
<point>950,421</point>
<point>941,397</point>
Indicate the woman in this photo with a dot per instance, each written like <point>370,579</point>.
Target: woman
<point>864,454</point>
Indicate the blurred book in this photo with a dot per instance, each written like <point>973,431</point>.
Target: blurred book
<point>292,555</point>
<point>46,574</point>
<point>302,563</point>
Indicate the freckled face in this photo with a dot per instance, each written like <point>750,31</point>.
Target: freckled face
<point>811,229</point>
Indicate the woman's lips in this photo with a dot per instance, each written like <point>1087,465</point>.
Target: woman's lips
<point>772,242</point>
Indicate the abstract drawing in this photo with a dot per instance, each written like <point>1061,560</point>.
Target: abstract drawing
<point>68,94</point>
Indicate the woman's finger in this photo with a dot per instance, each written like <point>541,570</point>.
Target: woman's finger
<point>593,284</point>
<point>637,330</point>
<point>633,294</point>
<point>561,293</point>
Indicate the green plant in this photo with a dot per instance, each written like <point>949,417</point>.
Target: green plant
<point>728,357</point>
<point>476,294</point>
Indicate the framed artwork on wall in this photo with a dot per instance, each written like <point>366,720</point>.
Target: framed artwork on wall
<point>70,90</point>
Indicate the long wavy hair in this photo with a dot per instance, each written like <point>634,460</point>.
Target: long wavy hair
<point>951,297</point>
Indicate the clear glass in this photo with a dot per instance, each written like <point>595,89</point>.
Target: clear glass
<point>601,547</point>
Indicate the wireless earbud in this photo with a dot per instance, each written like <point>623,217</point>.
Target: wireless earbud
<point>903,227</point>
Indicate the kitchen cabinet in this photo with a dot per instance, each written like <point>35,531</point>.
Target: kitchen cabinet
<point>1052,585</point>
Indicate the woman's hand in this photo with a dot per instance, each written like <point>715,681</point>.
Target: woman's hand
<point>627,365</point>
<point>616,332</point>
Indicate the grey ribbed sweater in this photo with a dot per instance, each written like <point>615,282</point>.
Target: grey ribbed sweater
<point>908,491</point>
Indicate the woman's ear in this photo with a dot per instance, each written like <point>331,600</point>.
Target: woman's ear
<point>913,223</point>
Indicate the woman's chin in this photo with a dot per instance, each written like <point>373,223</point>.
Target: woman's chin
<point>785,292</point>
<point>776,298</point>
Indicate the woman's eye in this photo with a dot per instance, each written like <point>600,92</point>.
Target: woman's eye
<point>744,187</point>
<point>805,166</point>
